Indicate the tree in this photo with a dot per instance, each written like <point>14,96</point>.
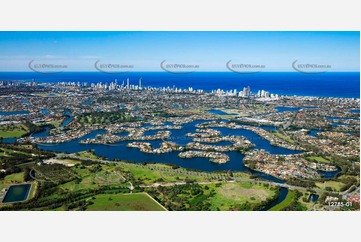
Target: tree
<point>27,176</point>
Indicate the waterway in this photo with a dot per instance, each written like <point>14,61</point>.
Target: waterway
<point>68,119</point>
<point>281,197</point>
<point>314,132</point>
<point>120,151</point>
<point>14,113</point>
<point>287,109</point>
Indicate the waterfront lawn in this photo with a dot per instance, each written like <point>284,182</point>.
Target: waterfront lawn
<point>124,202</point>
<point>239,196</point>
<point>286,202</point>
<point>145,176</point>
<point>242,175</point>
<point>13,131</point>
<point>284,137</point>
<point>87,154</point>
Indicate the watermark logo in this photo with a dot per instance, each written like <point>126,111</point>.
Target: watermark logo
<point>113,68</point>
<point>46,67</point>
<point>244,68</point>
<point>310,68</point>
<point>178,68</point>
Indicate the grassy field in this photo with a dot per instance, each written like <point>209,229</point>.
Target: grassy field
<point>232,112</point>
<point>8,152</point>
<point>33,189</point>
<point>229,195</point>
<point>318,159</point>
<point>335,185</point>
<point>69,162</point>
<point>284,137</point>
<point>349,177</point>
<point>152,173</point>
<point>56,123</point>
<point>86,183</point>
<point>13,178</point>
<point>305,195</point>
<point>13,131</point>
<point>49,94</point>
<point>94,179</point>
<point>124,202</point>
<point>285,203</point>
<point>87,154</point>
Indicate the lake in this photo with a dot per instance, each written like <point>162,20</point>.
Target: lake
<point>329,174</point>
<point>313,197</point>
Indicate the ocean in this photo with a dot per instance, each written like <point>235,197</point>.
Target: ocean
<point>329,84</point>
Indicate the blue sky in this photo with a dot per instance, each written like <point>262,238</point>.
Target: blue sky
<point>210,50</point>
